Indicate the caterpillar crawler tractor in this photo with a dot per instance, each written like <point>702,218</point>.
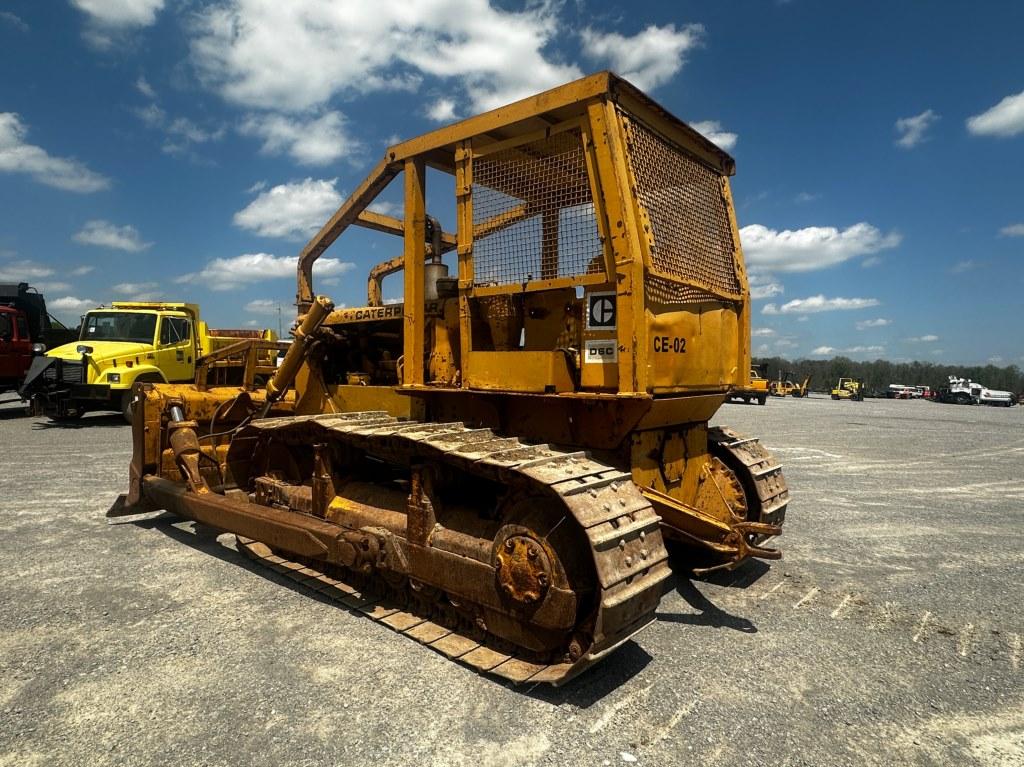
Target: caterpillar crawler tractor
<point>493,466</point>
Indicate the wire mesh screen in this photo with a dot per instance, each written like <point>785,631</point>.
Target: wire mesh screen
<point>533,213</point>
<point>692,236</point>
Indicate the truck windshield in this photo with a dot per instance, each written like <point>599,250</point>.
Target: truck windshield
<point>119,326</point>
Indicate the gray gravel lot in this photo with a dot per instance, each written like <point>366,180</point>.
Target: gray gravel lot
<point>890,633</point>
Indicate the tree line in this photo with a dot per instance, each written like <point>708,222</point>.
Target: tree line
<point>879,374</point>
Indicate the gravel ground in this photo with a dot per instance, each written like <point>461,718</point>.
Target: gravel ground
<point>890,633</point>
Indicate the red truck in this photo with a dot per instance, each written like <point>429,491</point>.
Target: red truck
<point>26,330</point>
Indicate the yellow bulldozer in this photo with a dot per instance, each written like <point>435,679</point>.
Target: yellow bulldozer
<point>493,466</point>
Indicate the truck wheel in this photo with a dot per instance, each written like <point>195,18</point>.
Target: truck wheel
<point>128,406</point>
<point>762,399</point>
<point>962,398</point>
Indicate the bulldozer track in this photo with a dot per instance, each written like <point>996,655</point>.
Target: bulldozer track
<point>763,473</point>
<point>623,531</point>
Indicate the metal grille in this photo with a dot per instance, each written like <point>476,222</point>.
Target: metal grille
<point>533,214</point>
<point>64,372</point>
<point>691,232</point>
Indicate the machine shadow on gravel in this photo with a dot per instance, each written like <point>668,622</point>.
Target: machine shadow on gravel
<point>710,615</point>
<point>594,684</point>
<point>205,539</point>
<point>105,421</point>
<point>583,691</point>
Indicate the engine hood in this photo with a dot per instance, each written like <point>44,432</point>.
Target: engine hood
<point>101,350</point>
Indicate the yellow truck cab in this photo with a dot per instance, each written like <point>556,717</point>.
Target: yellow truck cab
<point>118,346</point>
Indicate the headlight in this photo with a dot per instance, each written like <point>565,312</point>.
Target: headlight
<point>114,377</point>
<point>38,348</point>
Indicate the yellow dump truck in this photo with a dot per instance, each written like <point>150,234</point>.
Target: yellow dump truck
<point>129,342</point>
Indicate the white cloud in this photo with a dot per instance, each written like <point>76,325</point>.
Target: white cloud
<point>387,208</point>
<point>71,304</point>
<point>142,86</point>
<point>267,306</point>
<point>17,156</point>
<point>804,197</point>
<point>647,59</point>
<point>247,50</point>
<point>132,288</point>
<point>23,271</point>
<point>291,210</point>
<point>1013,230</point>
<point>318,141</point>
<point>231,273</point>
<point>106,19</point>
<point>107,235</point>
<point>190,133</point>
<point>442,110</point>
<point>78,271</point>
<point>964,266</point>
<point>819,303</point>
<point>785,343</point>
<point>764,286</point>
<point>51,287</point>
<point>14,20</point>
<point>870,261</point>
<point>1004,119</point>
<point>995,360</point>
<point>762,332</point>
<point>879,323</point>
<point>912,130</point>
<point>923,339</point>
<point>712,131</point>
<point>152,115</point>
<point>815,247</point>
<point>827,350</point>
<point>180,132</point>
<point>127,13</point>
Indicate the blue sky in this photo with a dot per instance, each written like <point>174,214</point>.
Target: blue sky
<point>187,150</point>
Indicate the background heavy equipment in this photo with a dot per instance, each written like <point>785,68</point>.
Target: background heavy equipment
<point>128,342</point>
<point>492,467</point>
<point>754,390</point>
<point>849,388</point>
<point>963,391</point>
<point>787,388</point>
<point>26,331</point>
